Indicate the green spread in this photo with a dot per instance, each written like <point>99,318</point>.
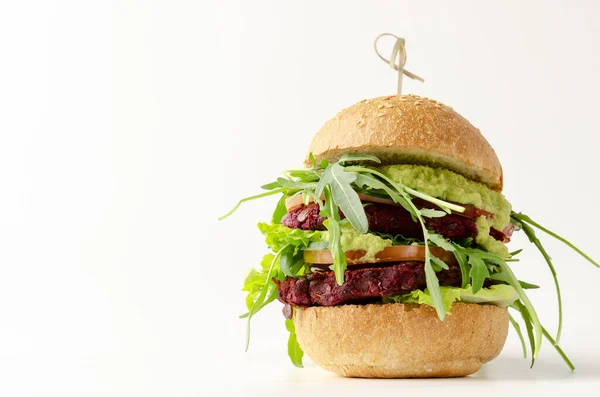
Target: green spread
<point>484,239</point>
<point>449,186</point>
<point>354,240</point>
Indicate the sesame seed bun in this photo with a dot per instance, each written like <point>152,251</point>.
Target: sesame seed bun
<point>410,130</point>
<point>401,340</point>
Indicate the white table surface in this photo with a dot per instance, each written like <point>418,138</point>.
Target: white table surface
<point>508,374</point>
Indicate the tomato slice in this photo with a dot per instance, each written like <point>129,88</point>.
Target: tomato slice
<point>397,253</point>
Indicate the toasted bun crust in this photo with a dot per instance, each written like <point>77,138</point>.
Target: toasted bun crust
<point>410,130</point>
<point>401,340</point>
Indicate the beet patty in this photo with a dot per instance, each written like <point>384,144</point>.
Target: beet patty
<point>320,288</point>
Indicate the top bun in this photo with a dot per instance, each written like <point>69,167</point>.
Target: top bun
<point>410,130</point>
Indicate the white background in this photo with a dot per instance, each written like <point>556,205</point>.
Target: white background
<point>126,129</point>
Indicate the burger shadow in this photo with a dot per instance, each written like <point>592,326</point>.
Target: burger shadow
<point>517,369</point>
<point>514,368</point>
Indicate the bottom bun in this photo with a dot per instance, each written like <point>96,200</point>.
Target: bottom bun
<point>401,340</point>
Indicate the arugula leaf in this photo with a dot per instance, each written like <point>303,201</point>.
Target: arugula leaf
<point>433,285</point>
<point>524,218</point>
<point>461,258</point>
<point>294,350</point>
<point>440,263</point>
<point>501,276</point>
<point>528,324</point>
<point>296,193</point>
<point>440,241</point>
<point>366,180</point>
<point>479,272</point>
<point>558,349</point>
<point>514,253</point>
<point>286,260</point>
<point>429,213</point>
<point>488,256</point>
<point>309,194</point>
<point>298,264</point>
<point>270,193</point>
<point>528,311</point>
<point>526,285</point>
<point>280,210</point>
<point>259,303</point>
<point>358,157</point>
<point>271,186</point>
<point>335,234</point>
<point>295,184</point>
<point>398,239</point>
<point>271,296</point>
<point>318,245</point>
<point>464,242</point>
<point>529,327</point>
<point>517,328</point>
<point>311,157</point>
<point>347,199</point>
<point>303,175</point>
<point>530,233</point>
<point>431,280</point>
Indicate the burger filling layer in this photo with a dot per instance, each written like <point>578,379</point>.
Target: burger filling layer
<point>361,286</point>
<point>486,218</point>
<point>485,221</point>
<point>390,219</point>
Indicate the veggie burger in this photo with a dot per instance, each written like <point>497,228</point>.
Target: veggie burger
<point>389,249</point>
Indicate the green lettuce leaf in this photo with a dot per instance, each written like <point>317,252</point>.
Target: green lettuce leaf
<point>288,260</point>
<point>499,295</point>
<point>256,281</point>
<point>278,236</point>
